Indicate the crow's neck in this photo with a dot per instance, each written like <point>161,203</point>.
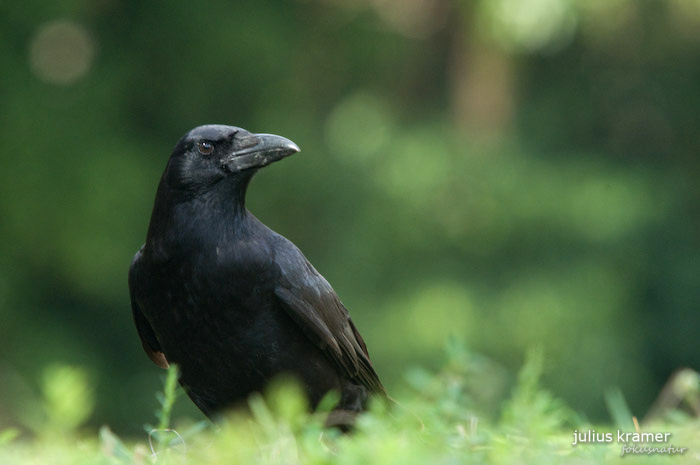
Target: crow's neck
<point>191,221</point>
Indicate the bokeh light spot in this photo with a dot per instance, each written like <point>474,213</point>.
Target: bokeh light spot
<point>61,52</point>
<point>358,127</point>
<point>412,18</point>
<point>431,314</point>
<point>530,25</point>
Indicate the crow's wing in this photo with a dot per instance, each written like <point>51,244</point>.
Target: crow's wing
<point>314,305</point>
<point>143,327</point>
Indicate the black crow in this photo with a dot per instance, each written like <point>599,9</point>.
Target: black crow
<point>231,302</point>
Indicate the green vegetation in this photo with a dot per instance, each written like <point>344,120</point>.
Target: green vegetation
<point>511,173</point>
<point>436,421</point>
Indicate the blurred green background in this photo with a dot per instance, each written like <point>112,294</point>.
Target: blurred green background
<point>513,173</point>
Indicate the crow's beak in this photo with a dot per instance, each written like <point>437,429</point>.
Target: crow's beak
<point>260,150</point>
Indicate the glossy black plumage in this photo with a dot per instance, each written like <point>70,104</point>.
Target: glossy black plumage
<point>233,303</point>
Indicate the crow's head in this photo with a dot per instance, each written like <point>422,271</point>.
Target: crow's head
<point>209,154</point>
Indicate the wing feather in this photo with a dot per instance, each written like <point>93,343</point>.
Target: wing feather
<point>149,341</point>
<point>314,305</point>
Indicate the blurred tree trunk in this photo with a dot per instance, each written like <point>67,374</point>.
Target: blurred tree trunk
<point>481,79</point>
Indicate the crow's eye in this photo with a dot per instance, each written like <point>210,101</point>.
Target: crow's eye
<point>205,147</point>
